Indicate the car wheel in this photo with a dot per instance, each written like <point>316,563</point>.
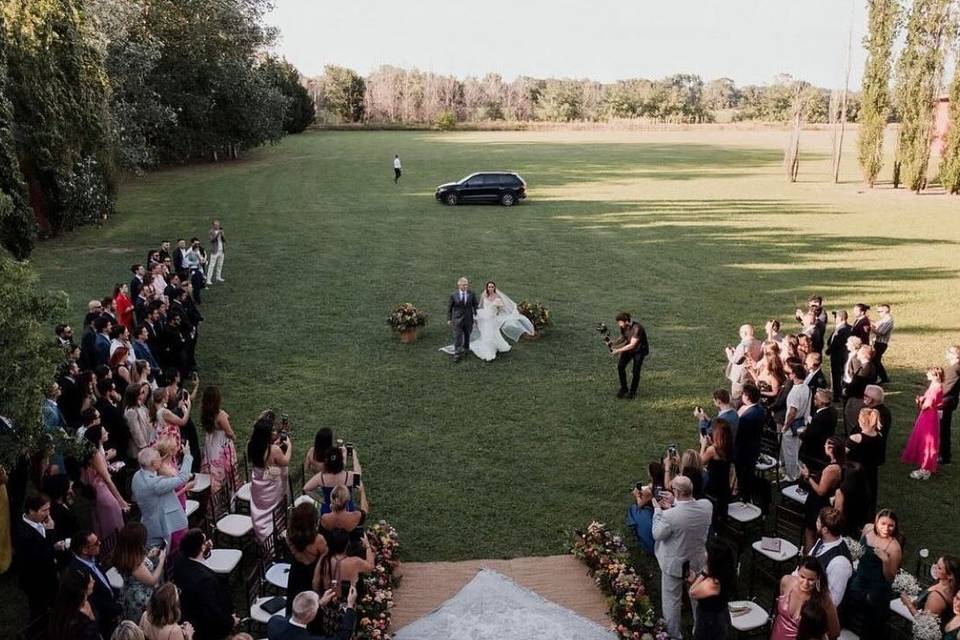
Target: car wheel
<point>451,199</point>
<point>507,199</point>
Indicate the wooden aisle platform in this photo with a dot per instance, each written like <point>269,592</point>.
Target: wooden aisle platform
<point>560,579</point>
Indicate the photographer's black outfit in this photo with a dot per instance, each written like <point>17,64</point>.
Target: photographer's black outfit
<point>636,355</point>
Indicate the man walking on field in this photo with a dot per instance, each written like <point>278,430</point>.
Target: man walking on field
<point>396,168</point>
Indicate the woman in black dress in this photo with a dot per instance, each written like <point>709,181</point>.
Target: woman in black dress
<point>821,489</point>
<point>713,589</point>
<point>865,447</point>
<point>716,452</point>
<point>306,546</point>
<point>72,616</point>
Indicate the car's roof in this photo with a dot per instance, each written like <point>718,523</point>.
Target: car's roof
<point>495,173</point>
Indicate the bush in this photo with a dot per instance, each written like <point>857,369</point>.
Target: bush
<point>446,121</point>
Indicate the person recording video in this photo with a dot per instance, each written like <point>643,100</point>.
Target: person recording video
<point>635,348</point>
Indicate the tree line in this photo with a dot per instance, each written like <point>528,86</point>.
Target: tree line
<point>91,89</point>
<point>930,29</point>
<point>410,96</point>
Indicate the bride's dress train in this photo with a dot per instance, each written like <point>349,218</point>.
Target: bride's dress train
<point>495,319</point>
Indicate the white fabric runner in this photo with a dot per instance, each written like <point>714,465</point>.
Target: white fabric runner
<point>493,607</point>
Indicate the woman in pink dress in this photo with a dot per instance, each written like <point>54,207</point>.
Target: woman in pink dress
<point>167,423</point>
<point>808,582</point>
<point>109,504</point>
<point>167,448</point>
<point>923,447</point>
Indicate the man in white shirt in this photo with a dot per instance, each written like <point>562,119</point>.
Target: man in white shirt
<point>832,553</point>
<point>881,340</point>
<point>396,168</point>
<point>680,528</point>
<point>215,263</point>
<point>798,414</point>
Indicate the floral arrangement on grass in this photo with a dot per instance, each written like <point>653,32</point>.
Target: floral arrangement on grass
<point>536,313</point>
<point>373,609</point>
<point>406,316</point>
<point>607,559</point>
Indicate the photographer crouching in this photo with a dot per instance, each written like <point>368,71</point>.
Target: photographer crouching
<point>635,348</point>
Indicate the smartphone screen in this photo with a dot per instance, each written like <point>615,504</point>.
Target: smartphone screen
<point>344,589</point>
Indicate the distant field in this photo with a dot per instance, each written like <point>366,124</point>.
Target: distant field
<point>695,232</point>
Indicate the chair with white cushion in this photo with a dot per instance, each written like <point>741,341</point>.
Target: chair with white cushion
<point>743,521</point>
<point>788,535</point>
<point>748,618</point>
<point>253,588</point>
<point>232,527</point>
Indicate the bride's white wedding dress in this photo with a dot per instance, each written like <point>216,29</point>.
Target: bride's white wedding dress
<point>496,317</point>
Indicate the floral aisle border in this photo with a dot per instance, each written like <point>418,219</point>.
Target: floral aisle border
<point>607,560</point>
<point>373,609</point>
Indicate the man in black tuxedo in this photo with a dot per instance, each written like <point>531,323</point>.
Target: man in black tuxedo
<point>837,350</point>
<point>461,311</point>
<point>305,607</point>
<point>823,424</point>
<point>204,601</point>
<point>85,546</point>
<point>34,555</point>
<point>136,282</point>
<point>748,443</point>
<point>635,348</point>
<point>951,393</point>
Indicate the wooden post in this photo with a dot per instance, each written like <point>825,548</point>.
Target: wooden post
<point>791,157</point>
<point>838,151</point>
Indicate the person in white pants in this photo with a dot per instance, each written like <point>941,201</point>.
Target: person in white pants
<point>215,263</point>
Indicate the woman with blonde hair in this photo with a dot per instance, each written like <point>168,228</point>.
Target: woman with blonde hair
<point>161,620</point>
<point>166,422</point>
<point>689,465</point>
<point>137,417</point>
<point>339,517</point>
<point>865,447</point>
<point>168,448</point>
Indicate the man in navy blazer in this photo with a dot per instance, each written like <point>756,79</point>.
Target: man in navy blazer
<point>160,509</point>
<point>305,607</point>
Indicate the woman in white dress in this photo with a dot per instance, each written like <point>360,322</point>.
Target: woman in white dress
<point>497,316</point>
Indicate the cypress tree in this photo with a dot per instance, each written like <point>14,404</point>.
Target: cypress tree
<point>950,163</point>
<point>918,79</point>
<point>883,23</point>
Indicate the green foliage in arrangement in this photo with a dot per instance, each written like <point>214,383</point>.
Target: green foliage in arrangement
<point>30,357</point>
<point>883,23</point>
<point>950,162</point>
<point>17,226</point>
<point>919,68</point>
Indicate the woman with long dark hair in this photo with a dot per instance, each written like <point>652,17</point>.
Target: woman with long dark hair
<point>141,570</point>
<point>712,589</point>
<point>72,616</point>
<point>269,452</point>
<point>322,442</point>
<point>334,567</point>
<point>868,593</point>
<point>809,582</point>
<point>716,453</point>
<point>220,456</point>
<point>306,546</point>
<point>109,504</point>
<point>821,490</point>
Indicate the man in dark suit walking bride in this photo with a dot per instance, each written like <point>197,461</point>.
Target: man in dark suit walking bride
<point>461,311</point>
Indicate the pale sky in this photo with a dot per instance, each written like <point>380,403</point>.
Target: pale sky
<point>750,41</point>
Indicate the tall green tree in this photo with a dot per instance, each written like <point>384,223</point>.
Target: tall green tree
<point>342,92</point>
<point>29,356</point>
<point>919,70</point>
<point>950,162</point>
<point>18,228</point>
<point>883,22</point>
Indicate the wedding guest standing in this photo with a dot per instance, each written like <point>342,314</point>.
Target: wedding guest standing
<point>73,617</point>
<point>738,361</point>
<point>306,545</point>
<point>865,447</point>
<point>220,456</point>
<point>86,548</point>
<point>924,443</point>
<point>109,504</point>
<point>951,392</point>
<point>397,169</point>
<point>634,350</point>
<point>141,570</point>
<point>808,583</point>
<point>712,589</point>
<point>833,553</point>
<point>868,594</point>
<point>161,620</point>
<point>161,510</point>
<point>35,559</point>
<point>217,245</point>
<point>861,323</point>
<point>881,340</point>
<point>270,456</point>
<point>938,597</point>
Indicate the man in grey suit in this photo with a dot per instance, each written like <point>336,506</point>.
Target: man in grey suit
<point>680,527</point>
<point>737,361</point>
<point>160,509</point>
<point>461,310</point>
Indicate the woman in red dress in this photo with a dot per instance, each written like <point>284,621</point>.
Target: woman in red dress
<point>123,305</point>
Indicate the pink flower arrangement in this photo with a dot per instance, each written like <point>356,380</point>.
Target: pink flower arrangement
<point>373,609</point>
<point>607,560</point>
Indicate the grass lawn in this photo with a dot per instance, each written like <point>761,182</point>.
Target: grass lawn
<point>693,232</point>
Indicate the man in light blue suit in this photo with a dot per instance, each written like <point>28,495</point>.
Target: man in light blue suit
<point>161,511</point>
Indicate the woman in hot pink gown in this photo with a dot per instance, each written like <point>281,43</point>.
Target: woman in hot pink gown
<point>923,447</point>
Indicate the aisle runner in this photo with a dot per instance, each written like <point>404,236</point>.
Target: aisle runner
<point>493,607</point>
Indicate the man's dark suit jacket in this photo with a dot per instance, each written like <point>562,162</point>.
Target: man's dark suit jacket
<point>279,628</point>
<point>866,374</point>
<point>462,312</point>
<point>35,560</point>
<point>143,352</point>
<point>822,425</point>
<point>837,346</point>
<point>818,381</point>
<point>103,600</point>
<point>746,447</point>
<point>205,603</point>
<point>951,387</point>
<point>70,401</point>
<point>136,285</point>
<point>861,329</point>
<point>111,416</point>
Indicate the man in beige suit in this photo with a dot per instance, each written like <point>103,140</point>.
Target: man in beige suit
<point>680,527</point>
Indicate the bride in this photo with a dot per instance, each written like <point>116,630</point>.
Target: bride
<point>497,316</point>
